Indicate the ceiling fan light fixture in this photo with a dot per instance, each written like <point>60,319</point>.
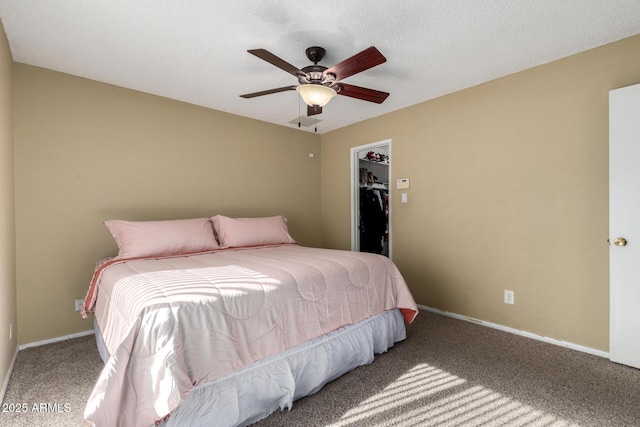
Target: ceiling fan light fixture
<point>316,94</point>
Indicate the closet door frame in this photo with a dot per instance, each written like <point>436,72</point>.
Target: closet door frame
<point>355,191</point>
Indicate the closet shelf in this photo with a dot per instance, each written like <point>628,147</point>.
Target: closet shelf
<point>376,186</point>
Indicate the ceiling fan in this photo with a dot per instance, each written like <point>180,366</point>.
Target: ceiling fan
<point>318,84</point>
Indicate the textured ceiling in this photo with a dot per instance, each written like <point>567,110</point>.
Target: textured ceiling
<point>196,50</point>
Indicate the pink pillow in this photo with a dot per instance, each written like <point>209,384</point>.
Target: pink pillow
<point>151,238</point>
<point>239,232</point>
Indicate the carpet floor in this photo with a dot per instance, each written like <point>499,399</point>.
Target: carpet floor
<point>446,373</point>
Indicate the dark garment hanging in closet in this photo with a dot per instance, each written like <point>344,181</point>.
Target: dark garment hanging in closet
<point>373,219</point>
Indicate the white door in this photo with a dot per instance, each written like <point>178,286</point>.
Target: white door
<point>624,225</point>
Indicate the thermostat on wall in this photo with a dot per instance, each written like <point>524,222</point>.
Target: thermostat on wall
<point>402,183</point>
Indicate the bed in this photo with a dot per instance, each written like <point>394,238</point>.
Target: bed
<point>229,332</point>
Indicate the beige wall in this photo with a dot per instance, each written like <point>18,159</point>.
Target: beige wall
<point>509,190</point>
<point>86,152</point>
<point>7,231</point>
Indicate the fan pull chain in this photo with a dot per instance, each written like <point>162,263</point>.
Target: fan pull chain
<point>299,114</point>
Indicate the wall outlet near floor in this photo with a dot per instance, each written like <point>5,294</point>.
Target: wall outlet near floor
<point>79,304</point>
<point>509,297</point>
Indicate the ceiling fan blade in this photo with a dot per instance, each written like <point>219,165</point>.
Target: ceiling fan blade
<point>363,93</point>
<point>268,92</point>
<point>364,60</point>
<point>272,59</point>
<point>314,110</point>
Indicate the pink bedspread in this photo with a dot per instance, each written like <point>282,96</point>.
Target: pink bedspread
<point>172,323</point>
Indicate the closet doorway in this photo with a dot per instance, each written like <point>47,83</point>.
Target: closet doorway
<point>371,198</point>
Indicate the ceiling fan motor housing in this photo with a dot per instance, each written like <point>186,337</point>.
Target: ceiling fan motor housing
<point>315,74</point>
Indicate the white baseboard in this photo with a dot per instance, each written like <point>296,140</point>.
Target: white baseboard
<point>570,345</point>
<point>5,384</point>
<point>54,340</point>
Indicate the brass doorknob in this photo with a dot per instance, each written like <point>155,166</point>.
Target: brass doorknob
<point>620,241</point>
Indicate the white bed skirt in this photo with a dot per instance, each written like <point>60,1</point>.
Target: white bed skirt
<point>258,390</point>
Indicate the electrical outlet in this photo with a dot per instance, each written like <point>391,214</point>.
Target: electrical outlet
<point>509,297</point>
<point>79,304</point>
